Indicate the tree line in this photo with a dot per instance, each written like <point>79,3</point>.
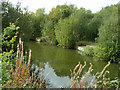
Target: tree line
<point>66,25</point>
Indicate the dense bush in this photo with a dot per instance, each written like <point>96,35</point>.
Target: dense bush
<point>21,17</point>
<point>8,38</point>
<point>88,50</point>
<point>38,18</point>
<point>107,42</point>
<point>61,12</point>
<point>69,30</point>
<point>48,32</point>
<point>93,27</point>
<point>98,20</point>
<point>64,33</point>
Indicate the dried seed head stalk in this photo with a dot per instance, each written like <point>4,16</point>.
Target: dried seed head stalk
<point>11,69</point>
<point>28,64</point>
<point>105,73</point>
<point>17,51</point>
<point>84,64</point>
<point>83,77</point>
<point>34,79</point>
<point>21,52</point>
<point>21,73</point>
<point>29,57</point>
<point>76,67</point>
<point>75,75</point>
<point>104,69</point>
<point>25,55</point>
<point>21,55</point>
<point>90,69</point>
<point>20,64</point>
<point>93,82</point>
<point>19,40</point>
<point>23,68</point>
<point>79,70</point>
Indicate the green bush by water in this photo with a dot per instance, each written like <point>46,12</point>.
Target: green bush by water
<point>107,47</point>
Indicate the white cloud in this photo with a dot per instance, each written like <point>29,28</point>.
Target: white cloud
<point>93,5</point>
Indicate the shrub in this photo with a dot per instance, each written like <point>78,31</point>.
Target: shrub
<point>16,75</point>
<point>11,13</point>
<point>88,50</point>
<point>69,30</point>
<point>48,31</point>
<point>65,35</point>
<point>107,42</point>
<point>9,36</point>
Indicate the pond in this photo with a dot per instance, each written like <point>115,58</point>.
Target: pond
<point>58,61</point>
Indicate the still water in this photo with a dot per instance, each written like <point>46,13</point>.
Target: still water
<point>58,61</point>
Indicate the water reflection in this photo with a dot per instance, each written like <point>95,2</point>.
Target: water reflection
<point>62,60</point>
<point>54,80</point>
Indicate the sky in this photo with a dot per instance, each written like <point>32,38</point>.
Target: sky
<point>93,5</point>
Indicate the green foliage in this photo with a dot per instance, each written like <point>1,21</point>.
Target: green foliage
<point>5,66</point>
<point>16,75</point>
<point>48,32</point>
<point>107,42</point>
<point>38,19</point>
<point>98,20</point>
<point>26,29</point>
<point>64,33</point>
<point>64,25</point>
<point>107,83</point>
<point>69,30</point>
<point>22,19</point>
<point>88,50</point>
<point>9,36</point>
<point>61,11</point>
<point>94,25</point>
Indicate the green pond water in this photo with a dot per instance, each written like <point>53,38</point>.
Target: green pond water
<point>58,61</point>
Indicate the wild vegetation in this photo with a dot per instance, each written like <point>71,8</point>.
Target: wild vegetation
<point>99,79</point>
<point>107,42</point>
<point>15,66</point>
<point>64,26</point>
